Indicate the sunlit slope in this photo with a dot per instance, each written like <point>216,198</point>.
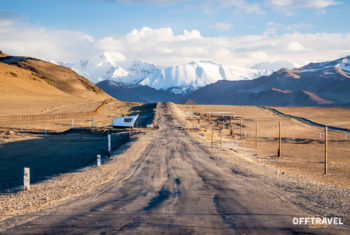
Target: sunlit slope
<point>31,86</point>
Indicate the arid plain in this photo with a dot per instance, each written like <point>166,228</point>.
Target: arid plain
<point>303,144</point>
<point>218,173</point>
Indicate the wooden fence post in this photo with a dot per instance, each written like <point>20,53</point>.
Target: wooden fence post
<point>256,135</point>
<point>220,137</point>
<point>26,178</point>
<point>241,128</point>
<point>280,141</point>
<point>325,149</point>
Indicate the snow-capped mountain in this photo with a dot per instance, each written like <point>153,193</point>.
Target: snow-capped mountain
<point>191,76</point>
<point>111,66</point>
<point>316,84</point>
<point>179,79</point>
<point>339,66</point>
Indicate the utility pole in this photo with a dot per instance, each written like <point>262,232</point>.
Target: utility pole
<point>325,149</point>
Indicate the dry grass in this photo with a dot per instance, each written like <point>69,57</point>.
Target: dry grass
<point>302,145</point>
<point>103,119</point>
<point>25,92</point>
<point>339,117</point>
<point>31,87</point>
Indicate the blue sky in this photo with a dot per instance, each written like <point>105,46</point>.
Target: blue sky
<point>107,25</point>
<point>103,18</point>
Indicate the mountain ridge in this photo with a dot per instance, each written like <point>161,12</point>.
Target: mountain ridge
<point>315,84</point>
<point>178,78</point>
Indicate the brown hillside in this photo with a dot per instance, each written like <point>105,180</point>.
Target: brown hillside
<point>31,86</point>
<point>3,54</point>
<point>61,77</point>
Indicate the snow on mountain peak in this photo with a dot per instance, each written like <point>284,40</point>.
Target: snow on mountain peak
<point>344,64</point>
<point>328,67</point>
<point>179,78</point>
<point>197,74</point>
<point>114,58</point>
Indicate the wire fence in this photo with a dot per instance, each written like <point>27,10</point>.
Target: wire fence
<point>45,117</point>
<point>284,142</point>
<point>22,118</point>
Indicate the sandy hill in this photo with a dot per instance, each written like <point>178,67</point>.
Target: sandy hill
<point>32,86</point>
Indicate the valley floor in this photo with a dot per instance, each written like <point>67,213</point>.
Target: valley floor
<point>172,182</point>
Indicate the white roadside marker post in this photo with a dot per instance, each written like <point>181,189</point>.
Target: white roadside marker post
<point>98,160</point>
<point>26,178</point>
<point>109,145</point>
<point>45,131</point>
<point>92,123</point>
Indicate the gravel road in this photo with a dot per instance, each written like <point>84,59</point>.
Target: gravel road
<point>177,186</point>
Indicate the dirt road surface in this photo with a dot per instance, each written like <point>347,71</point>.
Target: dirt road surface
<point>177,187</point>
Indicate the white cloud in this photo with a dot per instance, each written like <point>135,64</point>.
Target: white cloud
<point>295,46</point>
<point>290,6</point>
<point>273,27</point>
<point>221,27</point>
<point>21,39</point>
<point>7,18</point>
<point>147,2</point>
<point>258,7</point>
<point>162,46</point>
<point>317,4</point>
<point>169,48</point>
